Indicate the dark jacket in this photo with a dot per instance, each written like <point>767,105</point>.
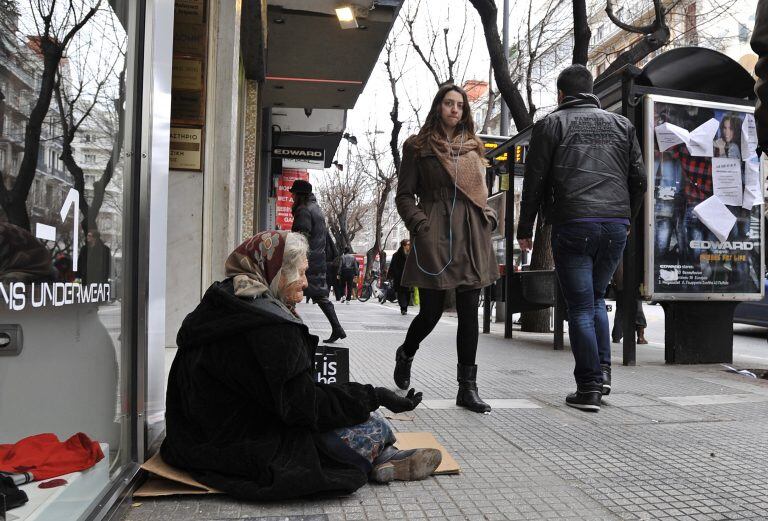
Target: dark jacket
<point>396,267</point>
<point>582,162</point>
<point>464,239</point>
<point>243,412</point>
<point>308,219</point>
<point>759,44</point>
<point>348,266</point>
<point>94,263</point>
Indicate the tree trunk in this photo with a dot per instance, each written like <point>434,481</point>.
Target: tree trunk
<point>499,61</point>
<point>538,321</point>
<point>14,201</point>
<point>78,177</point>
<point>645,46</point>
<point>581,32</point>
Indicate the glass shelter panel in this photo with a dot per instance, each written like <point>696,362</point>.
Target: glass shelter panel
<point>704,202</point>
<point>65,133</point>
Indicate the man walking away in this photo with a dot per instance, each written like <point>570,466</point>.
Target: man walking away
<point>585,170</point>
<point>348,270</point>
<point>308,219</point>
<point>395,274</point>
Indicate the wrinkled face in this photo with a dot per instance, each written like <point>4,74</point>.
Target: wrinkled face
<point>727,131</point>
<point>407,247</point>
<point>451,109</point>
<point>293,293</point>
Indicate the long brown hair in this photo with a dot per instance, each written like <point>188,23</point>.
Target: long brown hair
<point>433,124</point>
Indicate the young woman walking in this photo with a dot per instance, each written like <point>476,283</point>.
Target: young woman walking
<point>450,233</point>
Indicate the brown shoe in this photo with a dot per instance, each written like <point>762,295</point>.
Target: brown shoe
<point>407,465</point>
<point>641,336</point>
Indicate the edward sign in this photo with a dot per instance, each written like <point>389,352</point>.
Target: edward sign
<point>300,157</point>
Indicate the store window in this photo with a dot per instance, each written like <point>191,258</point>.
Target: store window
<point>65,365</point>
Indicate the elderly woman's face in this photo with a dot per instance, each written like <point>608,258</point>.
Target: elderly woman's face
<point>293,293</point>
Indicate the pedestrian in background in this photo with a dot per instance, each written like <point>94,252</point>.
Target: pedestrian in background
<point>395,274</point>
<point>348,270</point>
<point>585,169</point>
<point>95,260</point>
<point>450,230</point>
<point>640,322</point>
<point>308,219</point>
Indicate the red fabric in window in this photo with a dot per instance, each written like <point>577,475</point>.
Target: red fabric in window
<point>44,456</point>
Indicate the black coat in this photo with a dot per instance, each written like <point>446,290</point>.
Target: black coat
<point>582,162</point>
<point>243,412</point>
<point>308,219</point>
<point>396,267</point>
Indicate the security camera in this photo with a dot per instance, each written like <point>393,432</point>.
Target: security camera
<point>308,112</point>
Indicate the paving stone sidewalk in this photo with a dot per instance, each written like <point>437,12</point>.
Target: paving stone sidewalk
<point>672,442</point>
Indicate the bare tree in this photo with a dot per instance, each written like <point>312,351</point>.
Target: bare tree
<point>343,200</point>
<point>490,102</point>
<point>444,59</point>
<point>499,61</point>
<point>82,97</point>
<point>56,27</point>
<point>382,177</point>
<point>581,32</point>
<point>536,38</point>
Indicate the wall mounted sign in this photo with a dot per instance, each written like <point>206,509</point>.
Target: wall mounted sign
<point>190,37</point>
<point>300,157</point>
<point>189,11</point>
<point>186,148</point>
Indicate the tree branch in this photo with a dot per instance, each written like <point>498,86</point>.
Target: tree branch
<point>643,29</point>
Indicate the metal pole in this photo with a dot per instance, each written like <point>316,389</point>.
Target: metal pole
<point>504,127</point>
<point>509,234</point>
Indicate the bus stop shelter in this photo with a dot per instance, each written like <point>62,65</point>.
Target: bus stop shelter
<point>699,326</point>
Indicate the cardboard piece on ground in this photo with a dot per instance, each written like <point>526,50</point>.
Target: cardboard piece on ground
<point>169,481</point>
<point>425,440</point>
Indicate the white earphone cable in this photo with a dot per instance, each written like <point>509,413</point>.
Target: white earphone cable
<point>450,217</point>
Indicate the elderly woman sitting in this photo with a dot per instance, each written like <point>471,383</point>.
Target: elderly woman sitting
<point>244,414</point>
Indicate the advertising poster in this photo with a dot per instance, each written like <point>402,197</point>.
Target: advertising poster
<point>284,219</point>
<point>704,201</point>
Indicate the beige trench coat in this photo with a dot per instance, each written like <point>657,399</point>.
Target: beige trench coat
<point>438,235</point>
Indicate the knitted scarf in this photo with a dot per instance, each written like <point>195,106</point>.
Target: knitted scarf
<point>463,162</point>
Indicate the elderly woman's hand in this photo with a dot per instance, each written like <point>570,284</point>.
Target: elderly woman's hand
<point>397,403</point>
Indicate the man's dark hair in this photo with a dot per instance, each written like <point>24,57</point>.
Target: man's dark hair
<point>404,242</point>
<point>575,79</point>
<point>347,249</point>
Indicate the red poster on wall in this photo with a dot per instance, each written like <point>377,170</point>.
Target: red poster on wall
<point>284,219</point>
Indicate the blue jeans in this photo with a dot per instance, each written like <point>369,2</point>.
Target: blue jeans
<point>586,256</point>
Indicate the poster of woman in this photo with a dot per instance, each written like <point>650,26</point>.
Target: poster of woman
<point>705,207</point>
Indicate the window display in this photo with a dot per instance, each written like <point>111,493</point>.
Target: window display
<point>65,131</point>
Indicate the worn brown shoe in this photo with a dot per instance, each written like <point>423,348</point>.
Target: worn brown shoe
<point>641,336</point>
<point>407,465</point>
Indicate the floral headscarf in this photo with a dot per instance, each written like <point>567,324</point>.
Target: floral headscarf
<point>256,262</point>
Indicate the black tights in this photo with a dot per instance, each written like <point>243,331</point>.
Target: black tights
<point>431,301</point>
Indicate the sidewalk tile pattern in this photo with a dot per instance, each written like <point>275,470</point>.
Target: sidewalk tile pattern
<point>640,458</point>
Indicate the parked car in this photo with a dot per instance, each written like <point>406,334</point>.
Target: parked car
<point>754,313</point>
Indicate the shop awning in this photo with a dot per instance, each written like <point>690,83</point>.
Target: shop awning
<point>312,62</point>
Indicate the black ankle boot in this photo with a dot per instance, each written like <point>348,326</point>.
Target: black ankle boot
<point>606,370</point>
<point>468,397</point>
<point>337,334</point>
<point>402,368</point>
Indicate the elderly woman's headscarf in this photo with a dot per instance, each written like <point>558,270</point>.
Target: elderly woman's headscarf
<point>23,258</point>
<point>256,263</point>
